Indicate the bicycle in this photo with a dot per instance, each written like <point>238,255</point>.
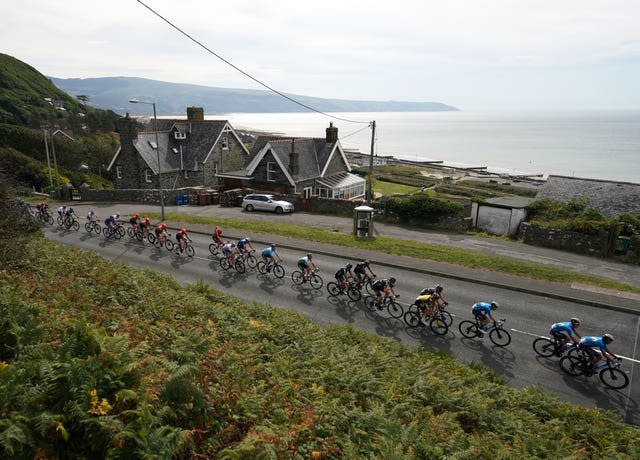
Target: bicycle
<point>393,308</point>
<point>44,218</point>
<point>92,226</point>
<point>214,248</point>
<point>497,334</point>
<point>237,264</point>
<point>547,347</point>
<point>314,279</point>
<point>367,283</point>
<point>335,289</point>
<point>439,319</point>
<point>610,373</point>
<point>249,259</point>
<point>111,232</point>
<point>275,268</point>
<point>188,249</point>
<point>71,223</point>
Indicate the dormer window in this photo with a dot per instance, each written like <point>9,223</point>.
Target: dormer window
<point>153,145</point>
<point>179,135</point>
<point>225,143</point>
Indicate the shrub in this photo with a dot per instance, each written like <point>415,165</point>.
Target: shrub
<point>422,208</point>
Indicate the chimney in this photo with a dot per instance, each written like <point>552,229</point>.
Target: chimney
<point>127,130</point>
<point>332,134</point>
<point>293,159</point>
<point>195,114</point>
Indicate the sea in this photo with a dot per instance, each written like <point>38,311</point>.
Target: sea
<point>585,144</point>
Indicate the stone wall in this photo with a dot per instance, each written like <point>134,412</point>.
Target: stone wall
<point>133,195</point>
<point>581,243</point>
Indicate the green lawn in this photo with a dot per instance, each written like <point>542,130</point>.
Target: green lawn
<point>390,188</point>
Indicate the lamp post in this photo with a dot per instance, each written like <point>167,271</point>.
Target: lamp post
<point>155,128</point>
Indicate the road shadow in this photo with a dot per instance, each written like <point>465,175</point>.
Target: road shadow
<point>269,283</point>
<point>344,307</point>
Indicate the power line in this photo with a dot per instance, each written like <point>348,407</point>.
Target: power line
<point>242,71</point>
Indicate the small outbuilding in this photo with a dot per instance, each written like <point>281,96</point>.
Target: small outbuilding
<point>500,216</point>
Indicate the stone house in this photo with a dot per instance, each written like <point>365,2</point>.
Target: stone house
<point>611,198</point>
<point>308,166</point>
<point>192,152</point>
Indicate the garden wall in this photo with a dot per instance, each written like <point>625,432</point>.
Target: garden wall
<point>581,243</point>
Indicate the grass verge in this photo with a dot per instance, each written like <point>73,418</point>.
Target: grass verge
<point>410,248</point>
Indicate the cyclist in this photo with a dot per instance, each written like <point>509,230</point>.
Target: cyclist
<point>430,299</point>
<point>566,331</point>
<point>267,256</point>
<point>229,251</point>
<point>161,234</point>
<point>482,313</point>
<point>181,239</point>
<point>92,217</point>
<point>589,344</point>
<point>42,208</point>
<point>383,287</point>
<point>70,215</point>
<point>360,272</point>
<point>304,264</point>
<point>343,275</point>
<point>62,212</point>
<point>111,222</point>
<point>144,226</point>
<point>217,236</point>
<point>242,245</point>
<point>134,220</point>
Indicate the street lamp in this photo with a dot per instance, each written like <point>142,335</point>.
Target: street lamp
<point>155,126</point>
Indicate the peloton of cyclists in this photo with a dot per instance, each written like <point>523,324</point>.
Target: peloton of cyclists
<point>268,254</point>
<point>181,239</point>
<point>383,288</point>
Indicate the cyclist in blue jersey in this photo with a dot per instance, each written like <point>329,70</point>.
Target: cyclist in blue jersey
<point>596,347</point>
<point>566,331</point>
<point>482,313</point>
<point>268,254</point>
<point>243,244</point>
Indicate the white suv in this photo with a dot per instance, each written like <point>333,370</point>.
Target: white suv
<point>262,202</point>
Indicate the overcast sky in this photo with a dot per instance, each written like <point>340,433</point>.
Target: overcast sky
<point>475,55</point>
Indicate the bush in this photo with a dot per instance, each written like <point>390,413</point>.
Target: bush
<point>422,208</point>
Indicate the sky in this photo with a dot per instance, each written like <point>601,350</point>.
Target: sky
<point>475,55</point>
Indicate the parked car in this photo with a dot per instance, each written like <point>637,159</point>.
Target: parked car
<point>264,202</point>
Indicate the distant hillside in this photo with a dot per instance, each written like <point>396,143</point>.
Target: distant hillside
<point>172,98</point>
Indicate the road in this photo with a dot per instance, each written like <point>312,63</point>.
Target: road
<point>528,316</point>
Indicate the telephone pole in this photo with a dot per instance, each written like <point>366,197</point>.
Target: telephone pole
<point>369,183</point>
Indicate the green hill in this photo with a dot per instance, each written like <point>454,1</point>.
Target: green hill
<point>29,103</point>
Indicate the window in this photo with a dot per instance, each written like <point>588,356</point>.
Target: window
<point>119,172</point>
<point>215,168</point>
<point>225,143</point>
<point>147,175</point>
<point>307,192</point>
<point>179,135</point>
<point>272,170</point>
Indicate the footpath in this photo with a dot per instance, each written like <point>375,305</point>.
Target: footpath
<point>619,301</point>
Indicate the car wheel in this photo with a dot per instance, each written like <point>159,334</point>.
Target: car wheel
<point>278,210</point>
<point>249,208</point>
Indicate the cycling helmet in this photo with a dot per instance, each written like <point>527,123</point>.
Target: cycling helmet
<point>70,209</point>
<point>366,262</point>
<point>163,225</point>
<point>309,255</point>
<point>233,245</point>
<point>248,239</point>
<point>607,338</point>
<point>348,266</point>
<point>183,230</point>
<point>392,280</point>
<point>439,289</point>
<point>136,215</point>
<point>273,245</point>
<point>575,321</point>
<point>494,305</point>
<point>117,216</point>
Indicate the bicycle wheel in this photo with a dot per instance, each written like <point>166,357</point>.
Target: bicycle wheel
<point>572,365</point>
<point>500,337</point>
<point>224,263</point>
<point>412,318</point>
<point>296,277</point>
<point>316,281</point>
<point>239,266</point>
<point>96,228</point>
<point>261,268</point>
<point>354,293</point>
<point>105,232</point>
<point>544,347</point>
<point>213,249</point>
<point>468,329</point>
<point>278,271</point>
<point>190,251</point>
<point>75,225</point>
<point>446,316</point>
<point>333,289</point>
<point>121,231</point>
<point>168,244</point>
<point>252,261</point>
<point>439,325</point>
<point>139,236</point>
<point>369,287</point>
<point>59,221</point>
<point>87,227</point>
<point>151,238</point>
<point>395,309</point>
<point>614,378</point>
<point>131,233</point>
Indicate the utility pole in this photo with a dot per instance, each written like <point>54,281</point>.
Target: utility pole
<point>369,183</point>
<point>55,162</point>
<point>46,149</point>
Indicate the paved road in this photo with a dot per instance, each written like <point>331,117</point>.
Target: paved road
<point>528,314</point>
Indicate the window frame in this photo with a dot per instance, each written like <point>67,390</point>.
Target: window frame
<point>271,172</point>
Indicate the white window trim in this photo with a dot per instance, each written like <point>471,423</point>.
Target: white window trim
<point>225,143</point>
<point>308,192</point>
<point>147,176</point>
<point>119,172</point>
<point>271,164</point>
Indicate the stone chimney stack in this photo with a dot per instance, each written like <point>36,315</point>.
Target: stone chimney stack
<point>332,134</point>
<point>293,159</point>
<point>127,130</point>
<point>195,114</point>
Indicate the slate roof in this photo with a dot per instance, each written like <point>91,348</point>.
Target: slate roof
<point>609,197</point>
<point>195,148</point>
<point>313,154</point>
<point>510,201</point>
